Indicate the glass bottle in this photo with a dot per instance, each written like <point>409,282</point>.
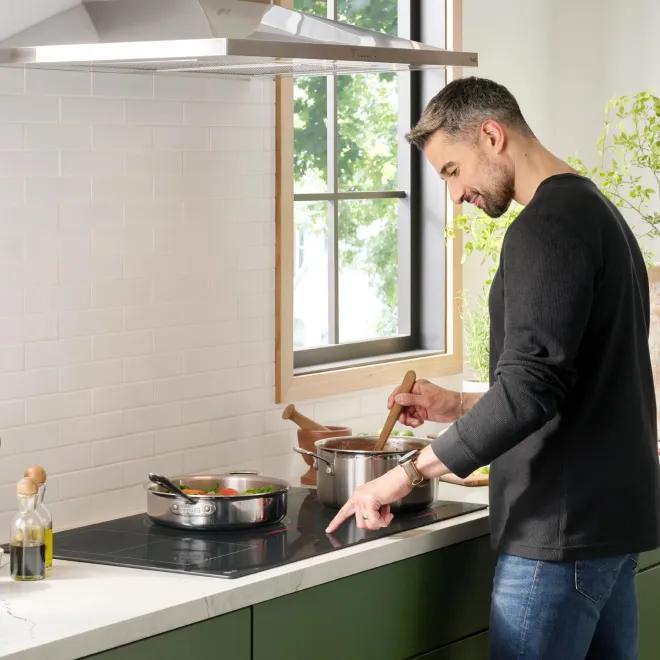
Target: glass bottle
<point>39,476</point>
<point>27,550</point>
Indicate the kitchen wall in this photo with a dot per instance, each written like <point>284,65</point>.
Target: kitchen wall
<point>137,252</point>
<point>563,60</point>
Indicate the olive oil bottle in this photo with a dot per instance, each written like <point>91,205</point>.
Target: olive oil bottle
<point>39,476</point>
<point>27,550</point>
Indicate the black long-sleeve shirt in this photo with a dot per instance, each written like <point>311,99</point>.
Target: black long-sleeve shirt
<point>569,422</point>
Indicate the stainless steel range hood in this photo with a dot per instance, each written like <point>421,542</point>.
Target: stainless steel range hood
<point>212,36</point>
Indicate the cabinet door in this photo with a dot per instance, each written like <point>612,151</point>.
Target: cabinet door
<point>392,612</point>
<point>472,648</point>
<point>648,597</point>
<point>227,636</point>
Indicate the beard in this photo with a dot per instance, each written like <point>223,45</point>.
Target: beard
<point>497,197</point>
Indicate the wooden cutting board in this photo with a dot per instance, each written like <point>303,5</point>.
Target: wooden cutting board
<point>474,479</point>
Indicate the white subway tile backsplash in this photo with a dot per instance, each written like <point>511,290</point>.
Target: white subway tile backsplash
<point>151,418</point>
<point>153,112</point>
<point>36,163</point>
<point>123,345</point>
<point>83,430</point>
<point>12,191</point>
<point>229,114</point>
<point>95,480</point>
<point>12,80</point>
<point>11,358</point>
<point>56,190</point>
<point>121,397</point>
<point>98,163</point>
<point>234,139</point>
<point>152,367</point>
<point>92,110</point>
<point>137,285</point>
<point>121,292</point>
<point>11,136</point>
<point>40,300</point>
<point>93,374</point>
<point>58,82</point>
<point>124,448</point>
<point>58,353</point>
<point>181,137</point>
<point>12,413</point>
<point>26,109</point>
<point>90,322</point>
<point>209,359</point>
<point>58,406</point>
<point>122,85</point>
<point>57,136</point>
<point>121,137</point>
<point>134,188</point>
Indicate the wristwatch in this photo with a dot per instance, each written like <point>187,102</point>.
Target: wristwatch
<point>407,462</point>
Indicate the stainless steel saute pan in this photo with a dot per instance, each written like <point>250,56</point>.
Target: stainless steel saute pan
<point>219,512</point>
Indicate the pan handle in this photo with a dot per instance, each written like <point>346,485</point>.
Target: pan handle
<point>330,469</point>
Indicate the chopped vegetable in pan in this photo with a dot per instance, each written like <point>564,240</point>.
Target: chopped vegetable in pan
<point>258,491</point>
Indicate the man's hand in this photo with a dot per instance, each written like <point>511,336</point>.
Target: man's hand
<point>370,503</point>
<point>426,402</point>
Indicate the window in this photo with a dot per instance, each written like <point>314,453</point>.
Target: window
<point>366,281</point>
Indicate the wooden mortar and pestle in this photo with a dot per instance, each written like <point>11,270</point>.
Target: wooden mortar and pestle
<point>309,432</point>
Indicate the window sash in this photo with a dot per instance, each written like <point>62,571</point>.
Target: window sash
<point>407,315</point>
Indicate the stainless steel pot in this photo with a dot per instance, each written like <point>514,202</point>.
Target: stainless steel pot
<point>213,512</point>
<point>347,462</point>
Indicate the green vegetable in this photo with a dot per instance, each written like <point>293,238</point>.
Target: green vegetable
<point>484,470</point>
<point>258,491</point>
<point>212,490</point>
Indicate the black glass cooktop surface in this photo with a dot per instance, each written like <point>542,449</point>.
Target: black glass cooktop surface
<point>137,542</point>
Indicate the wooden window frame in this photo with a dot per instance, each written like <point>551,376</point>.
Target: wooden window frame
<point>347,377</point>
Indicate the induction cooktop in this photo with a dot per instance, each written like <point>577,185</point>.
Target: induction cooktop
<point>137,542</point>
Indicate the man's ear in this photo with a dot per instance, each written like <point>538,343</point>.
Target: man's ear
<point>494,135</point>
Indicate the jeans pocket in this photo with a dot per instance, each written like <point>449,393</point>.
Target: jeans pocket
<point>595,578</point>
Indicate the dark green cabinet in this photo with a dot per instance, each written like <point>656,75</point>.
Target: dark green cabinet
<point>648,598</point>
<point>474,647</point>
<point>227,636</point>
<point>396,611</point>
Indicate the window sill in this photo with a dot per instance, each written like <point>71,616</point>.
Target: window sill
<point>350,376</point>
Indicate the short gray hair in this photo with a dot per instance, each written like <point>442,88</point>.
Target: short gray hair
<point>463,105</point>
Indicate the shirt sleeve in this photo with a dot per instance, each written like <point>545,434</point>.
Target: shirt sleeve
<point>549,277</point>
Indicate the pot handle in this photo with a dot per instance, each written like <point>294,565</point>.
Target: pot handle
<point>252,472</point>
<point>330,467</point>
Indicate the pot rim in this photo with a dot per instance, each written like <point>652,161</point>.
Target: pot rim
<point>416,443</point>
<point>284,486</point>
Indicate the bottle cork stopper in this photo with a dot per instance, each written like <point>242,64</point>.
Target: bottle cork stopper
<point>26,486</point>
<point>37,473</point>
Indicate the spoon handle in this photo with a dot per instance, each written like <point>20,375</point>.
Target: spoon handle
<point>405,388</point>
<point>168,485</point>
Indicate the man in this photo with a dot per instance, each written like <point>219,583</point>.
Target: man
<point>569,422</point>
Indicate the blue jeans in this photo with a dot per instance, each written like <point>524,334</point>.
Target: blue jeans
<point>555,610</point>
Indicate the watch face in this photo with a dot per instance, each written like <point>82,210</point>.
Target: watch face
<point>409,455</point>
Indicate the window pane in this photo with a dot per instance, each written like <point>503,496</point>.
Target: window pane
<point>310,159</point>
<point>367,118</point>
<point>380,15</point>
<point>368,269</point>
<point>317,7</point>
<point>310,283</point>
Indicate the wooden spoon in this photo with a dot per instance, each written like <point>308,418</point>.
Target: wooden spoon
<point>303,422</point>
<point>405,388</point>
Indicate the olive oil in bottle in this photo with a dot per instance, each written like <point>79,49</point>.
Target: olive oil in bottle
<point>27,550</point>
<point>39,476</point>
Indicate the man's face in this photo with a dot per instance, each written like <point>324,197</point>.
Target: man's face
<point>476,170</point>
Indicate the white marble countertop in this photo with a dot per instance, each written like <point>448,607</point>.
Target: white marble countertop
<point>87,608</point>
